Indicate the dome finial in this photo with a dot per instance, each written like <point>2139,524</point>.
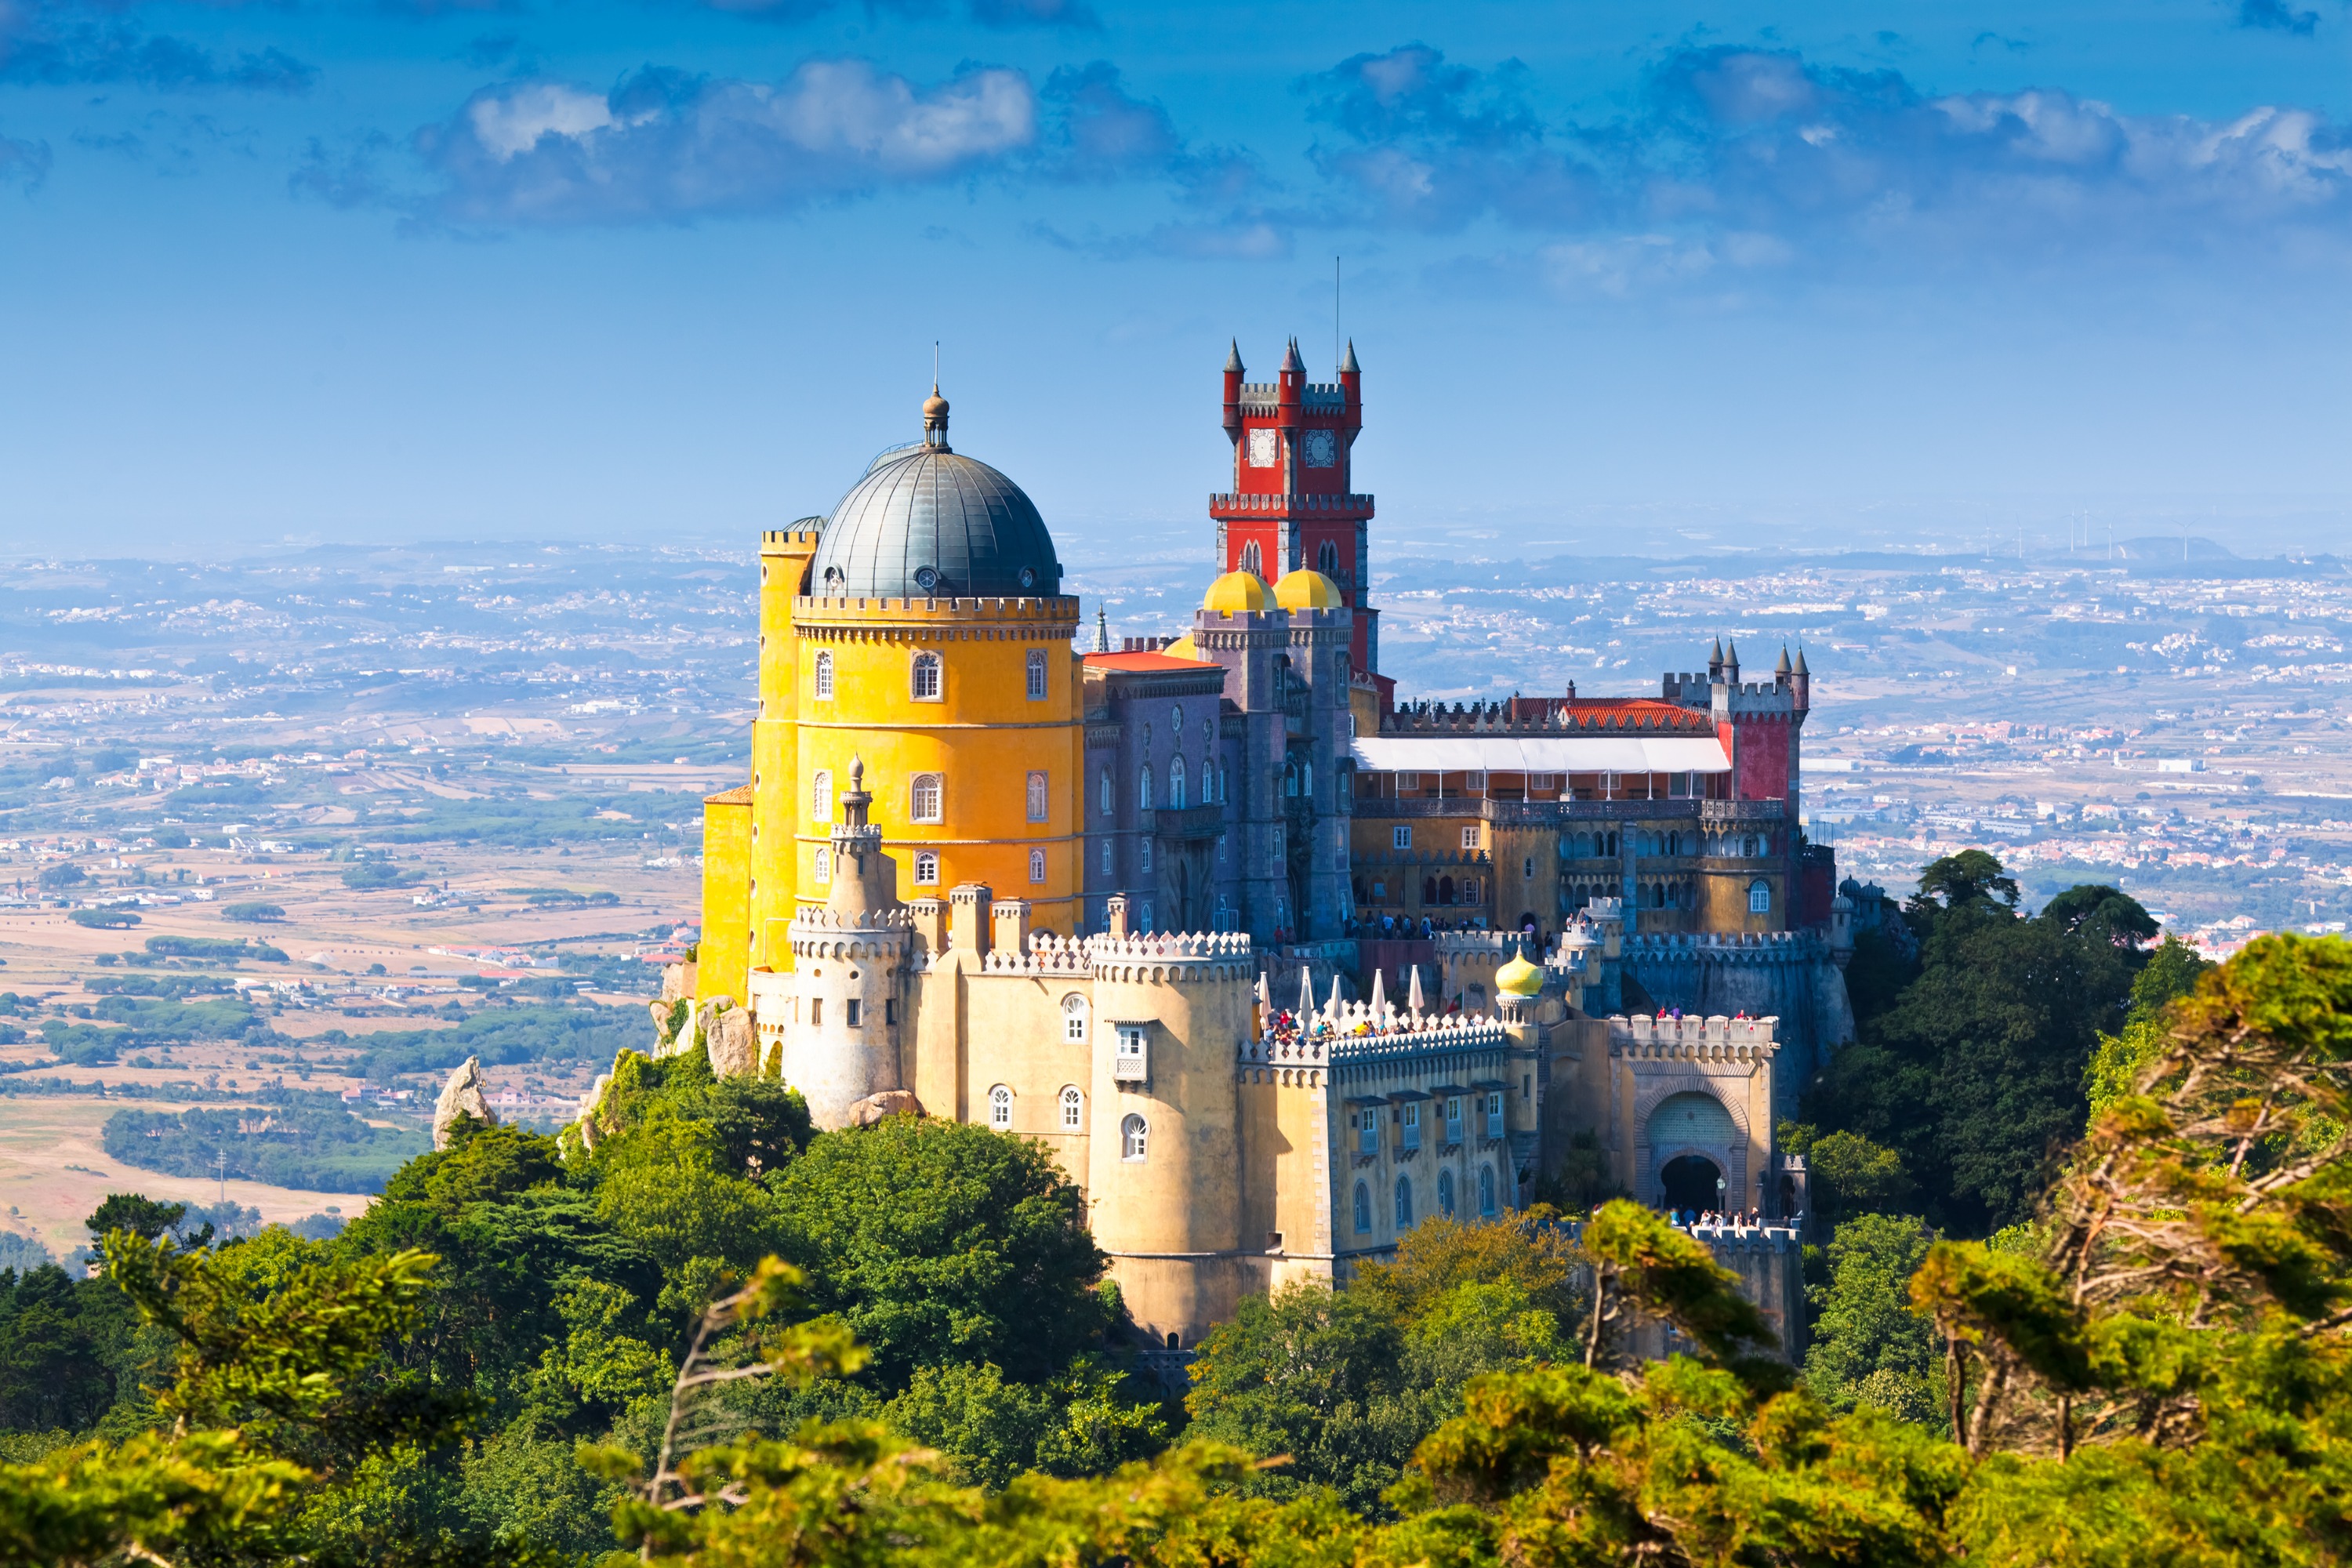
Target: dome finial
<point>935,417</point>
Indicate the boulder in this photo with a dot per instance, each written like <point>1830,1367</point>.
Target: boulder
<point>677,983</point>
<point>461,1096</point>
<point>889,1102</point>
<point>733,1044</point>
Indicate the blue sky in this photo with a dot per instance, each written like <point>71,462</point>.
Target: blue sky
<point>1621,276</point>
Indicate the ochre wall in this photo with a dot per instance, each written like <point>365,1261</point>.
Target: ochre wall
<point>984,737</point>
<point>783,561</point>
<point>726,894</point>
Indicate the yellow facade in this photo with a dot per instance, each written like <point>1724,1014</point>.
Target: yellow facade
<point>725,963</point>
<point>975,728</point>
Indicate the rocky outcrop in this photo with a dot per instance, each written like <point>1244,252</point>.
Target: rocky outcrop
<point>728,1037</point>
<point>889,1102</point>
<point>677,983</point>
<point>461,1096</point>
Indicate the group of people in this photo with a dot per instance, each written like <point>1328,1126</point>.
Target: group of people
<point>1703,1218</point>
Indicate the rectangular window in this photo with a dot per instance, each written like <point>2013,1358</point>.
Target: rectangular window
<point>1678,786</point>
<point>1454,1120</point>
<point>889,1009</point>
<point>1473,781</point>
<point>1399,837</point>
<point>1407,784</point>
<point>1368,1132</point>
<point>1412,1124</point>
<point>853,1009</point>
<point>1495,1115</point>
<point>1133,1062</point>
<point>1379,892</point>
<point>816,1012</point>
<point>1470,837</point>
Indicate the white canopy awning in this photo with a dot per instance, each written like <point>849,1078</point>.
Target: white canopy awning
<point>1540,754</point>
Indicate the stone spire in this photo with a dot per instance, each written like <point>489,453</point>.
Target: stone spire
<point>1234,358</point>
<point>1102,632</point>
<point>1782,668</point>
<point>1347,366</point>
<point>1800,668</point>
<point>1292,362</point>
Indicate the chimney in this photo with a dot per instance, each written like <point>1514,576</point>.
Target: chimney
<point>968,918</point>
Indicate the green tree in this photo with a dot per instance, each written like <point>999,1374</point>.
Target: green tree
<point>941,1242</point>
<point>2102,911</point>
<point>1867,1345</point>
<point>1974,1075</point>
<point>1970,879</point>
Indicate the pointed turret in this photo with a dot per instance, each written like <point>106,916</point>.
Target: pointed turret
<point>1291,363</point>
<point>1233,393</point>
<point>1800,683</point>
<point>1715,661</point>
<point>1800,668</point>
<point>1781,668</point>
<point>1347,366</point>
<point>1731,664</point>
<point>1102,632</point>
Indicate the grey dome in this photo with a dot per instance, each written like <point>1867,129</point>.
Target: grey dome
<point>927,522</point>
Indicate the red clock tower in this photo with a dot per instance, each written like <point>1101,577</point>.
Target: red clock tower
<point>1291,505</point>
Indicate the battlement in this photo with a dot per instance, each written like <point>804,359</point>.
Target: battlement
<point>1144,947</point>
<point>1353,1034</point>
<point>1717,1039</point>
<point>1229,504</point>
<point>816,917</point>
<point>1466,942</point>
<point>1263,399</point>
<point>1511,717</point>
<point>789,541</point>
<point>1724,947</point>
<point>1057,616</point>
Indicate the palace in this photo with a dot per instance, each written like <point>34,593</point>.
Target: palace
<point>1275,964</point>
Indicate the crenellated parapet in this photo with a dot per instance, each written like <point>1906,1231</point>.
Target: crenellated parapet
<point>1725,947</point>
<point>1717,1039</point>
<point>1409,719</point>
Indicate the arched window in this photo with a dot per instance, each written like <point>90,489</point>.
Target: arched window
<point>1000,1109</point>
<point>824,677</point>
<point>1306,778</point>
<point>1143,789</point>
<point>823,866</point>
<point>1037,865</point>
<point>1074,1020</point>
<point>1176,784</point>
<point>923,798</point>
<point>1363,1208</point>
<point>1143,855</point>
<point>1445,890</point>
<point>1404,1203</point>
<point>1759,896</point>
<point>1038,804</point>
<point>1037,676</point>
<point>1109,801</point>
<point>927,869</point>
<point>1327,560</point>
<point>1224,782</point>
<point>1150,923</point>
<point>1251,562</point>
<point>1074,1109</point>
<point>1106,856</point>
<point>1134,1138</point>
<point>821,795</point>
<point>1429,889</point>
<point>1486,1191</point>
<point>925,682</point>
<point>1445,1193</point>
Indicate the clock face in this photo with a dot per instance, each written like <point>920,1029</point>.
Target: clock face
<point>1264,449</point>
<point>1320,448</point>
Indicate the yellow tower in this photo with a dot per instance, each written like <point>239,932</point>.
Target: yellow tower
<point>921,628</point>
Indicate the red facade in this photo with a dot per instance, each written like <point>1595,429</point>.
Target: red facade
<point>1292,504</point>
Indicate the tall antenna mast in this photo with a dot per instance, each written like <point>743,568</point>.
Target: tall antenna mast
<point>1335,319</point>
<point>935,364</point>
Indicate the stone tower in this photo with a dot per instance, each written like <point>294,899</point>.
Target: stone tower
<point>1292,504</point>
<point>841,1040</point>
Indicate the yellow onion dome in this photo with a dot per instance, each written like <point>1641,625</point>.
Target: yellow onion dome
<point>1183,647</point>
<point>1305,589</point>
<point>1519,977</point>
<point>1236,592</point>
